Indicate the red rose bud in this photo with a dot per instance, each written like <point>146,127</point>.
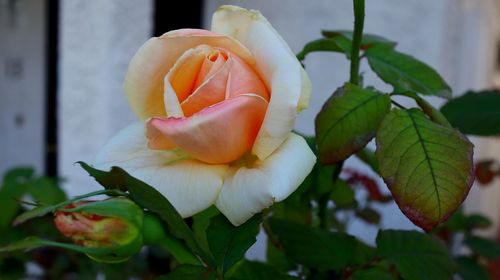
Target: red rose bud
<point>113,224</point>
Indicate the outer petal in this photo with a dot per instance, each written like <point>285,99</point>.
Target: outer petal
<point>276,64</point>
<point>221,133</point>
<point>248,190</point>
<point>191,186</point>
<point>144,80</point>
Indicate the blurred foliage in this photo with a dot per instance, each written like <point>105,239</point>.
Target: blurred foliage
<point>23,185</point>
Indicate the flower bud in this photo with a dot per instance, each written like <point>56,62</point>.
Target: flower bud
<point>114,224</point>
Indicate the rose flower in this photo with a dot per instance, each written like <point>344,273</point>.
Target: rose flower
<point>217,109</point>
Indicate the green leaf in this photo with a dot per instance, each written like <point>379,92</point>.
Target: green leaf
<point>295,209</point>
<point>336,44</point>
<point>406,73</point>
<point>34,213</point>
<point>367,156</point>
<point>189,272</point>
<point>200,224</point>
<point>46,190</point>
<point>277,258</point>
<point>461,222</point>
<point>416,255</point>
<point>470,269</point>
<point>46,209</point>
<point>155,235</point>
<point>229,243</point>
<point>372,273</point>
<point>14,186</point>
<point>33,242</point>
<point>250,270</point>
<point>323,181</point>
<point>483,247</point>
<point>363,254</point>
<point>149,198</point>
<point>318,248</point>
<point>428,167</point>
<point>113,179</point>
<point>348,121</point>
<point>342,194</point>
<point>475,221</point>
<point>475,113</point>
<point>341,41</point>
<point>434,114</point>
<point>367,41</point>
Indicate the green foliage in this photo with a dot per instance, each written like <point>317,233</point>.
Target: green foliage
<point>34,242</point>
<point>189,272</point>
<point>342,194</point>
<point>277,258</point>
<point>43,210</point>
<point>154,234</point>
<point>426,166</point>
<point>200,225</point>
<point>22,181</point>
<point>229,243</point>
<point>46,190</point>
<point>348,121</point>
<point>318,248</point>
<point>434,114</point>
<point>14,186</point>
<point>484,247</point>
<point>406,73</point>
<point>416,255</point>
<point>367,156</point>
<point>373,273</point>
<point>466,223</point>
<point>337,44</point>
<point>367,41</point>
<point>250,270</point>
<point>475,113</point>
<point>341,41</point>
<point>470,269</point>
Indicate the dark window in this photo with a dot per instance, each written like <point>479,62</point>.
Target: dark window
<point>52,29</point>
<point>170,15</point>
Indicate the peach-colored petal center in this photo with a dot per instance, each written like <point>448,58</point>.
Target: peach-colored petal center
<point>216,105</point>
<point>220,133</point>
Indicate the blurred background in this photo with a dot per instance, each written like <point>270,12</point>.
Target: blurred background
<point>62,64</point>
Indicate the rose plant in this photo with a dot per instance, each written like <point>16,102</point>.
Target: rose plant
<point>216,111</point>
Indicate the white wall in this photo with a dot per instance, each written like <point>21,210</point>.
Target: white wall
<point>22,84</point>
<point>97,40</point>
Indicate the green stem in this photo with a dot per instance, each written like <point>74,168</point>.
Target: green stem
<point>323,211</point>
<point>220,273</point>
<point>359,18</point>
